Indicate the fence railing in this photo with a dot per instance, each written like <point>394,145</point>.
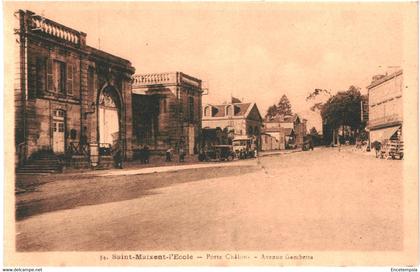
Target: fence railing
<point>78,149</point>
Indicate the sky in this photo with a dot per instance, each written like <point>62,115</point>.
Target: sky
<point>253,51</point>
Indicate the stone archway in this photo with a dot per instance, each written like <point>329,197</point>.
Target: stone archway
<point>109,112</point>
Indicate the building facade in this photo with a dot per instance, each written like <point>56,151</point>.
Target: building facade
<point>269,142</point>
<point>289,130</point>
<point>70,99</point>
<point>385,107</point>
<point>167,111</point>
<point>238,118</point>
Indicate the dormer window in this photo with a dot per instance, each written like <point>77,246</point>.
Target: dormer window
<point>208,111</point>
<point>230,110</point>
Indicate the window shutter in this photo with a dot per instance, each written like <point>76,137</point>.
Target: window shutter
<point>70,76</point>
<point>31,78</point>
<point>50,77</point>
<point>40,76</point>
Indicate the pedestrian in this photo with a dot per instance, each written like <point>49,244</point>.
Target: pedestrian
<point>118,159</point>
<point>146,154</point>
<point>181,154</point>
<point>169,154</point>
<point>377,146</point>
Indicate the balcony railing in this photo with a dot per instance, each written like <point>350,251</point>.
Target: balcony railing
<point>154,79</point>
<point>385,120</point>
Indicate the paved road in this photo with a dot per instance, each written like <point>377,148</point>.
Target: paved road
<point>320,200</point>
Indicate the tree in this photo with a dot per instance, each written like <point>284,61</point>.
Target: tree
<point>343,109</point>
<point>271,112</point>
<point>284,107</point>
<point>316,138</point>
<point>339,110</point>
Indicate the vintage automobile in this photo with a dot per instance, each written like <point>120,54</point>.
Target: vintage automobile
<point>244,147</point>
<point>307,144</point>
<point>217,152</point>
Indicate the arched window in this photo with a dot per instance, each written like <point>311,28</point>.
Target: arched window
<point>207,111</point>
<point>229,110</point>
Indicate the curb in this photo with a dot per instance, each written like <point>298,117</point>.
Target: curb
<point>279,153</point>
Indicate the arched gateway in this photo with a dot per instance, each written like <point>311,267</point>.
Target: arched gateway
<point>109,106</point>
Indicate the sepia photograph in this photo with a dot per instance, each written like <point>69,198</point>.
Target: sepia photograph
<point>210,133</point>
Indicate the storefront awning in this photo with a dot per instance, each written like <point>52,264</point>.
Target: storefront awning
<point>382,134</point>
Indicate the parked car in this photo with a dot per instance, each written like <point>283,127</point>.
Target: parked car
<point>217,152</point>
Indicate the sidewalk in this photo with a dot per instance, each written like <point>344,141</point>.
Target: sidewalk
<point>278,152</point>
<point>157,165</point>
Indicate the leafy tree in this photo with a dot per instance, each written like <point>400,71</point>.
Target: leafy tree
<point>271,112</point>
<point>284,107</point>
<point>343,109</point>
<point>314,136</point>
<point>340,110</point>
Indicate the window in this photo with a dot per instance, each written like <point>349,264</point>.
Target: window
<point>207,111</point>
<point>164,106</point>
<point>59,113</point>
<point>60,127</point>
<point>50,77</point>
<point>229,110</point>
<point>91,80</point>
<point>191,108</point>
<point>69,74</point>
<point>60,77</point>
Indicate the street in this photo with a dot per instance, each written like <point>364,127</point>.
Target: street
<point>317,200</point>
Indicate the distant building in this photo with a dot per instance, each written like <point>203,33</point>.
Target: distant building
<point>289,130</point>
<point>167,111</point>
<point>238,118</point>
<point>269,142</point>
<point>385,107</point>
<point>364,109</point>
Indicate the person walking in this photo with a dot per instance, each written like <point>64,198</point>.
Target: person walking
<point>118,159</point>
<point>169,154</point>
<point>181,154</point>
<point>146,154</point>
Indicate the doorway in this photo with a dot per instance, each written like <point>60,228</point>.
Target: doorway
<point>109,125</point>
<point>58,128</point>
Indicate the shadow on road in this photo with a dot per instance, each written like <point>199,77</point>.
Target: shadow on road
<point>68,194</point>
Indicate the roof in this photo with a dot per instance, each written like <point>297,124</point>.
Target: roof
<point>288,131</point>
<point>278,129</point>
<point>385,78</point>
<point>241,109</point>
<point>283,119</point>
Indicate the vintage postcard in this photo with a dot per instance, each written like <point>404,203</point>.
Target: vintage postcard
<point>211,134</point>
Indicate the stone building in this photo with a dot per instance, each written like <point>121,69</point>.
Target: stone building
<point>70,99</point>
<point>239,118</point>
<point>385,107</point>
<point>167,111</point>
<point>288,130</point>
<point>269,142</point>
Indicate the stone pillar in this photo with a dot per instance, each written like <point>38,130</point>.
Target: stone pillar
<point>85,99</point>
<point>128,118</point>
